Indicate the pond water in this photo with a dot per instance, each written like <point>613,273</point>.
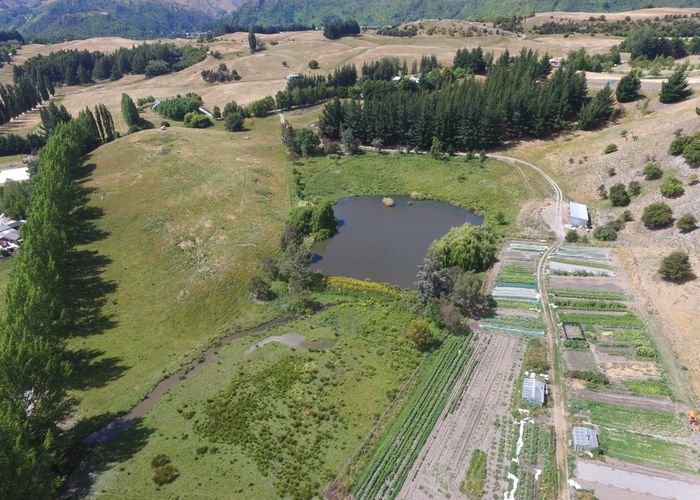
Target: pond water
<point>385,244</point>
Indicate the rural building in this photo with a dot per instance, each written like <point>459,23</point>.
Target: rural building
<point>155,105</point>
<point>534,391</point>
<point>14,174</point>
<point>585,439</point>
<point>555,63</point>
<point>292,76</point>
<point>205,112</point>
<point>578,215</point>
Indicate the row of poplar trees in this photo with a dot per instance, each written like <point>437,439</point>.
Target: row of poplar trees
<point>35,371</point>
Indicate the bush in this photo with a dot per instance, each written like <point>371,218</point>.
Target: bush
<point>234,121</point>
<point>471,248</point>
<point>610,148</point>
<point>652,171</point>
<point>313,64</point>
<point>691,152</point>
<point>672,188</point>
<point>571,236</point>
<point>687,223</point>
<point>323,221</point>
<point>165,475</point>
<point>605,233</point>
<point>194,119</point>
<point>676,267</point>
<point>678,144</point>
<point>634,188</point>
<point>618,196</point>
<point>420,335</point>
<point>261,107</point>
<point>657,215</point>
<point>536,358</point>
<point>165,123</point>
<point>160,460</point>
<point>260,289</point>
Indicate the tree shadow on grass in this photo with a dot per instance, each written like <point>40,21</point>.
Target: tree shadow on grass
<point>86,463</point>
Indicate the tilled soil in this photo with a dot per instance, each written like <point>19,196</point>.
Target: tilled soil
<point>441,465</point>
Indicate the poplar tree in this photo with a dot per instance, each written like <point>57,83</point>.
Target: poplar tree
<point>129,111</point>
<point>252,41</point>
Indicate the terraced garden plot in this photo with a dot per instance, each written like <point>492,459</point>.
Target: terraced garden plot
<point>623,418</point>
<point>580,268</point>
<point>524,325</point>
<point>649,451</point>
<point>522,293</point>
<point>393,458</point>
<point>512,274</point>
<point>591,284</point>
<point>589,304</point>
<point>592,321</point>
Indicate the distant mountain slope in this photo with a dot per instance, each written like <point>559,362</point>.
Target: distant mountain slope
<point>132,18</point>
<point>396,11</point>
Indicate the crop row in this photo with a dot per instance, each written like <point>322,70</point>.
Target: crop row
<point>591,304</point>
<point>514,274</point>
<point>517,321</point>
<point>586,294</point>
<point>387,470</point>
<point>603,320</point>
<point>581,262</point>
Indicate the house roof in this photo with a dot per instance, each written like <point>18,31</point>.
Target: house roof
<point>10,235</point>
<point>533,390</point>
<point>578,210</point>
<point>583,436</point>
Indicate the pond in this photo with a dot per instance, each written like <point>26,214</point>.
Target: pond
<point>385,244</point>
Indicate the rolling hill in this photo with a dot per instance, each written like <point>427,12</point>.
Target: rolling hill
<point>396,11</point>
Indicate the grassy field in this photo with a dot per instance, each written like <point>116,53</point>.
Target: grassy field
<point>473,484</point>
<point>272,421</point>
<point>181,218</point>
<point>631,419</point>
<point>495,187</point>
<point>647,450</point>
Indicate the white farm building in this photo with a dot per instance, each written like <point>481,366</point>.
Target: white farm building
<point>578,215</point>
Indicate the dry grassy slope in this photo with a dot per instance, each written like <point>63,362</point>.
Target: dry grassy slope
<point>263,73</point>
<point>641,250</point>
<point>562,17</point>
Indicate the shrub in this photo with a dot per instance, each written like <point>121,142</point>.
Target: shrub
<point>420,335</point>
<point>678,144</point>
<point>605,233</point>
<point>634,188</point>
<point>672,188</point>
<point>626,216</point>
<point>194,119</point>
<point>323,221</point>
<point>234,121</point>
<point>657,215</point>
<point>261,107</point>
<point>645,350</point>
<point>618,196</point>
<point>691,153</point>
<point>165,475</point>
<point>471,248</point>
<point>687,223</point>
<point>692,179</point>
<point>160,460</point>
<point>610,148</point>
<point>313,64</point>
<point>301,218</point>
<point>165,123</point>
<point>652,171</point>
<point>676,267</point>
<point>571,236</point>
<point>221,74</point>
<point>216,112</point>
<point>260,289</point>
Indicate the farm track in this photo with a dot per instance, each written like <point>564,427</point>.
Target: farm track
<point>483,394</point>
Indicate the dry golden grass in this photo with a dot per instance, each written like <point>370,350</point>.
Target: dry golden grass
<point>545,17</point>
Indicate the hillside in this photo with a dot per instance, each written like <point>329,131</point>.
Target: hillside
<point>65,19</point>
<point>395,11</point>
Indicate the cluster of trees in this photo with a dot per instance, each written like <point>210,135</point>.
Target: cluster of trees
<point>302,142</point>
<point>177,107</point>
<point>583,61</point>
<point>449,281</point>
<point>73,67</point>
<point>221,74</point>
<point>598,110</point>
<point>670,26</point>
<point>14,144</point>
<point>473,61</point>
<point>35,370</point>
<point>339,29</point>
<point>10,35</point>
<point>194,119</point>
<point>311,220</point>
<point>516,99</point>
<point>646,43</point>
<point>304,90</point>
<point>406,31</point>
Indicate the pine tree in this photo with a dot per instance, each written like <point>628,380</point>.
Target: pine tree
<point>129,111</point>
<point>598,110</point>
<point>675,88</point>
<point>252,41</point>
<point>628,87</point>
